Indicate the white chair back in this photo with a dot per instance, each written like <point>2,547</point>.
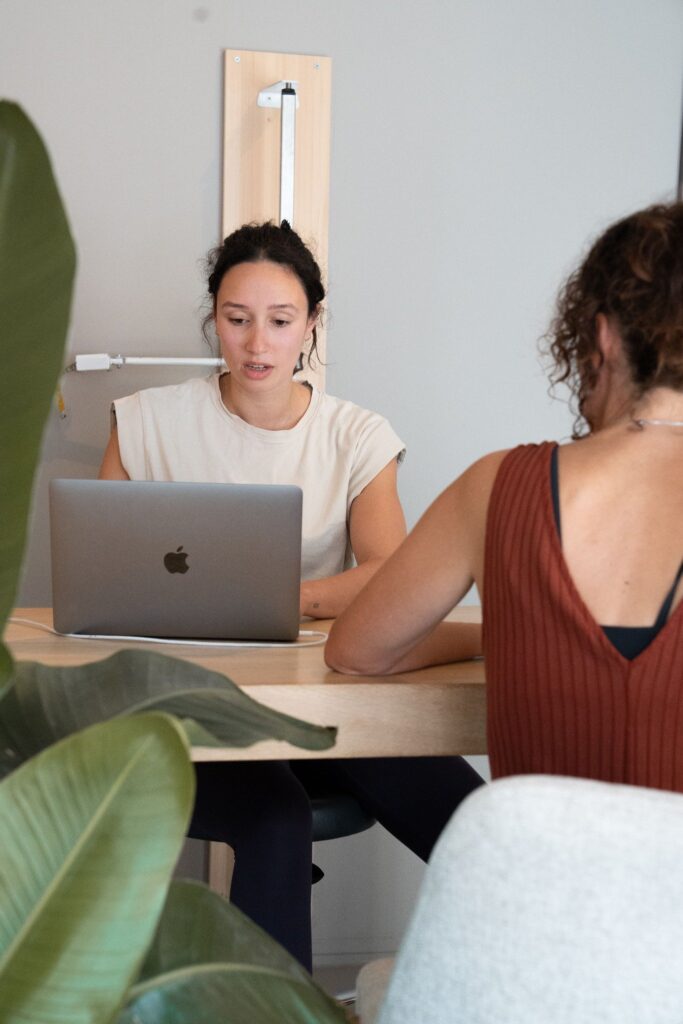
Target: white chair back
<point>548,900</point>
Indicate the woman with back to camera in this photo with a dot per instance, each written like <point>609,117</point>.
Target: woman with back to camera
<point>256,424</point>
<point>575,549</point>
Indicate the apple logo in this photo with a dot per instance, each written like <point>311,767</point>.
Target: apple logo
<point>176,561</point>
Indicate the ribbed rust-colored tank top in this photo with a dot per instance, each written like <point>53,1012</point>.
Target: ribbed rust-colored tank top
<point>561,699</point>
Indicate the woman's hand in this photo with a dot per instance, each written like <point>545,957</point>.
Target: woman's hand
<point>376,528</point>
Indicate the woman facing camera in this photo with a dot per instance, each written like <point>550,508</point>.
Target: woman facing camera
<point>576,549</point>
<point>256,424</point>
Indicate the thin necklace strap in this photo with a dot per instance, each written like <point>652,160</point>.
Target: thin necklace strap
<point>668,601</point>
<point>641,422</point>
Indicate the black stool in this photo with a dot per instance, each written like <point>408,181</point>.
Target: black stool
<point>336,815</point>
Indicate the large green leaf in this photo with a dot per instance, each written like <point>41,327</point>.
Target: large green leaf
<point>44,703</point>
<point>232,994</point>
<point>91,829</point>
<point>198,926</point>
<point>209,964</point>
<point>37,263</point>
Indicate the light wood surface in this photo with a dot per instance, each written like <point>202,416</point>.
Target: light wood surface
<point>251,151</point>
<point>438,711</point>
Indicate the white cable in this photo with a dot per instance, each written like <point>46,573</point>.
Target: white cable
<point>318,637</point>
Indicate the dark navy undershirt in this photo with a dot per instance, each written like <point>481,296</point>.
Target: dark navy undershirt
<point>628,640</point>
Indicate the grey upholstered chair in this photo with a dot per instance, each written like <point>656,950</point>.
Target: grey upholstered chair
<point>547,901</point>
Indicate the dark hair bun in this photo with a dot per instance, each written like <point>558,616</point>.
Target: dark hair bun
<point>276,243</point>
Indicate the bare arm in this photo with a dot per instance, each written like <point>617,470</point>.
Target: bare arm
<point>396,624</point>
<point>112,467</point>
<point>376,528</point>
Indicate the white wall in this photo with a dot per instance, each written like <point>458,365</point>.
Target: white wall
<point>476,145</point>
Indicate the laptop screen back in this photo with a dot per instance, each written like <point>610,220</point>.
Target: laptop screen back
<point>184,560</point>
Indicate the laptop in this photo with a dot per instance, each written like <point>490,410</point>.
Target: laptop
<point>180,560</point>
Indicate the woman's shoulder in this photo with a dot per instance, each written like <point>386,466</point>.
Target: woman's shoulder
<point>480,476</point>
<point>342,433</point>
<point>355,428</point>
<point>172,396</point>
<point>491,462</point>
<point>342,410</point>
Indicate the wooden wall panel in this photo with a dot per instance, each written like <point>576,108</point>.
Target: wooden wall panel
<point>251,150</point>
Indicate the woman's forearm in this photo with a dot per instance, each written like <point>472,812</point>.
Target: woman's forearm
<point>449,641</point>
<point>397,623</point>
<point>328,597</point>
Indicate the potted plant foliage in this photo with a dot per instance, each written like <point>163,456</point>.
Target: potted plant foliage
<point>97,783</point>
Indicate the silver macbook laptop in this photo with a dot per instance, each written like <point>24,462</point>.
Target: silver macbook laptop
<point>183,560</point>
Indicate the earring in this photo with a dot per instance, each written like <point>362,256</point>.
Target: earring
<point>299,363</point>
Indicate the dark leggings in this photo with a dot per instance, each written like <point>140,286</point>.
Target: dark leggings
<point>262,810</point>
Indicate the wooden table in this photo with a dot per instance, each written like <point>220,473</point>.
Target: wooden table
<point>440,710</point>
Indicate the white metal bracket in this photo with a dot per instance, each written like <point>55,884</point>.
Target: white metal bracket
<point>271,96</point>
<point>283,95</point>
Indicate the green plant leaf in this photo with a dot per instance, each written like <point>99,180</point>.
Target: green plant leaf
<point>45,703</point>
<point>37,264</point>
<point>209,964</point>
<point>231,994</point>
<point>198,926</point>
<point>91,829</point>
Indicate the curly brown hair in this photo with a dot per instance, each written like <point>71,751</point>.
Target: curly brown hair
<point>633,274</point>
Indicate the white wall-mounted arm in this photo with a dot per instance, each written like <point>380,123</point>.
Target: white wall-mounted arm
<point>283,95</point>
<point>679,191</point>
<point>287,139</point>
<point>103,361</point>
